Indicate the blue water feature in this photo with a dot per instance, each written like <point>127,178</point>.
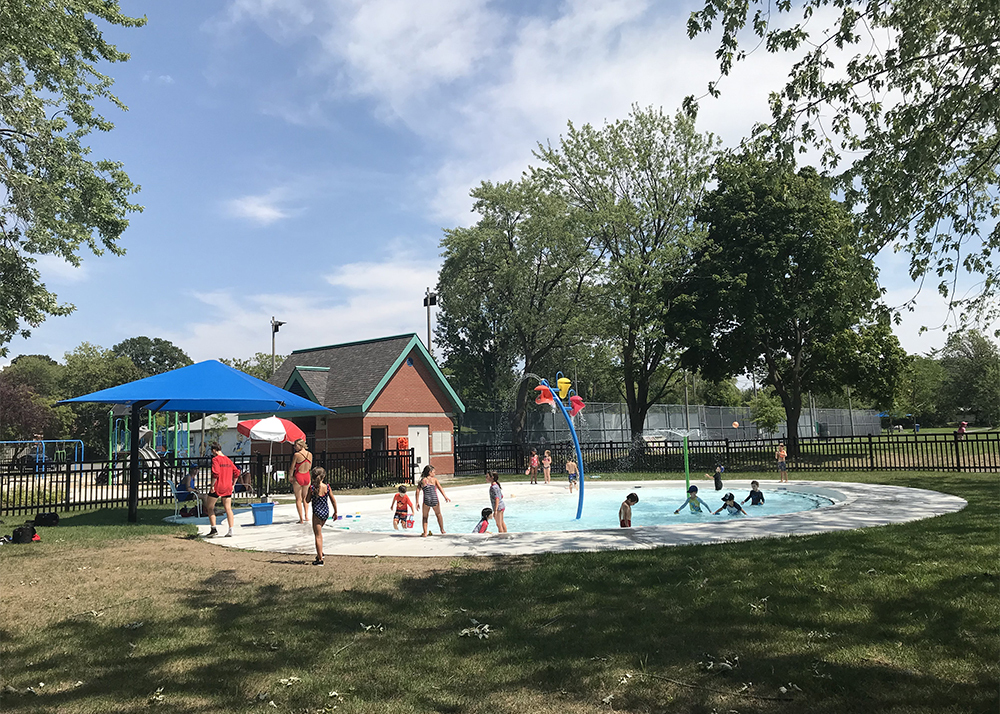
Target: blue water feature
<point>531,509</point>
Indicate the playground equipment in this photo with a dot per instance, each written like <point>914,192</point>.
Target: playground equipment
<point>35,454</point>
<point>546,395</point>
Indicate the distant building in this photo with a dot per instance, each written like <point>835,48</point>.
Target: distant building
<point>383,390</point>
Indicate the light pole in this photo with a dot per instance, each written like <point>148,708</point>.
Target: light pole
<point>275,325</point>
<point>430,299</point>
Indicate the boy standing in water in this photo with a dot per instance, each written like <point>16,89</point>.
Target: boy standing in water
<point>780,455</point>
<point>694,502</point>
<point>403,506</point>
<point>756,496</point>
<point>625,512</point>
<point>573,474</point>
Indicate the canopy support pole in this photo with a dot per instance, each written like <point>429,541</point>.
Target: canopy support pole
<point>133,471</point>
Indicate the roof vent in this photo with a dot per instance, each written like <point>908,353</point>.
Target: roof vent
<point>409,361</point>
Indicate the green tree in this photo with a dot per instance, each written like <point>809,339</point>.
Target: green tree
<point>258,366</point>
<point>781,274</point>
<point>869,360</point>
<point>40,373</point>
<point>922,391</point>
<point>90,368</point>
<point>766,411</point>
<point>526,258</point>
<point>53,197</point>
<point>971,363</point>
<point>23,414</point>
<point>152,356</point>
<point>906,93</point>
<point>638,182</point>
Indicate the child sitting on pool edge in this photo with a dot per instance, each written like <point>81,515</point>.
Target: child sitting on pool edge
<point>694,502</point>
<point>484,522</point>
<point>625,512</point>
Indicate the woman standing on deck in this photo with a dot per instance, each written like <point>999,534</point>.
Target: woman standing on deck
<point>300,478</point>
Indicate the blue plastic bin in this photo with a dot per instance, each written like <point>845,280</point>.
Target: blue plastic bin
<point>263,513</point>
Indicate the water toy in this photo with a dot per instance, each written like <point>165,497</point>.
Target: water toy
<point>544,395</point>
<point>577,403</point>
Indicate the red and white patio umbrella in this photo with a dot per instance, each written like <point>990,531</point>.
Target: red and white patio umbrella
<point>272,429</point>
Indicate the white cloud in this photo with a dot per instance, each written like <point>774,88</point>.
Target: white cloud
<point>263,209</point>
<point>56,270</point>
<point>366,300</point>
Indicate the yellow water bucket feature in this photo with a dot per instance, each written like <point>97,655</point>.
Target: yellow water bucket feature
<point>564,385</point>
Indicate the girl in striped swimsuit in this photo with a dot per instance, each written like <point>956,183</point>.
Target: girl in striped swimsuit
<point>429,486</point>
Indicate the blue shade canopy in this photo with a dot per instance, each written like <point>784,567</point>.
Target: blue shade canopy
<point>207,387</point>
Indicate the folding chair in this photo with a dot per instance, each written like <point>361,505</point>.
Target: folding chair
<point>182,497</point>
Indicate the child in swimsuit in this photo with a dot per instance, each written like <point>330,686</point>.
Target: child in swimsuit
<point>301,464</point>
<point>573,474</point>
<point>756,496</point>
<point>730,504</point>
<point>625,512</point>
<point>781,455</point>
<point>496,500</point>
<point>484,522</point>
<point>533,467</point>
<point>547,466</point>
<point>693,502</point>
<point>318,495</point>
<point>429,486</point>
<point>402,505</point>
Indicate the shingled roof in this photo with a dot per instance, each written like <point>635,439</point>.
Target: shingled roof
<point>348,377</point>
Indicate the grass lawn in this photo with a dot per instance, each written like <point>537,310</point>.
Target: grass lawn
<point>103,617</point>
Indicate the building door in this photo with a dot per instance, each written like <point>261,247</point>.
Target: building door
<point>421,447</point>
<point>380,435</point>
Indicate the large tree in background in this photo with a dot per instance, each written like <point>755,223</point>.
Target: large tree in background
<point>152,356</point>
<point>971,387</point>
<point>90,368</point>
<point>779,278</point>
<point>54,198</point>
<point>524,272</point>
<point>903,97</point>
<point>638,182</point>
<point>258,366</point>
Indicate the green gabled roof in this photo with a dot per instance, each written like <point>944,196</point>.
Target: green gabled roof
<point>349,377</point>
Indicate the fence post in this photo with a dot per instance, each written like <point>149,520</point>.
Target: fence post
<point>958,457</point>
<point>871,454</point>
<point>261,476</point>
<point>69,481</point>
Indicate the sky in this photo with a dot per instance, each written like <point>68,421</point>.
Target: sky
<point>301,158</point>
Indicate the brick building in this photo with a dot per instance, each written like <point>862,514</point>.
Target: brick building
<point>382,390</point>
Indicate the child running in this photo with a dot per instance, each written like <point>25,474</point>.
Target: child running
<point>547,466</point>
<point>573,474</point>
<point>402,505</point>
<point>756,496</point>
<point>318,494</point>
<point>730,504</point>
<point>625,512</point>
<point>694,502</point>
<point>484,522</point>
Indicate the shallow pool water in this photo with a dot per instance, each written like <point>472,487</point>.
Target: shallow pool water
<point>530,508</point>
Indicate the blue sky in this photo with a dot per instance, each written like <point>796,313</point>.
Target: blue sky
<point>300,158</point>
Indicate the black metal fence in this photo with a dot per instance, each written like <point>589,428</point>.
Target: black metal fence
<point>978,452</point>
<point>67,486</point>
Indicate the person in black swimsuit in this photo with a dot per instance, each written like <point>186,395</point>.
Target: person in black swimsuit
<point>428,488</point>
<point>320,497</point>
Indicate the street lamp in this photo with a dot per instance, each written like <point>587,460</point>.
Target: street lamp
<point>430,299</point>
<point>275,326</point>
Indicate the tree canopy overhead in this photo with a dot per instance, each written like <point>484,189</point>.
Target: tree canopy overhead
<point>54,199</point>
<point>636,182</point>
<point>906,95</point>
<point>152,356</point>
<point>780,286</point>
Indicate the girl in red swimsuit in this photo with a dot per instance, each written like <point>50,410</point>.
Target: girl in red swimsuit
<point>300,478</point>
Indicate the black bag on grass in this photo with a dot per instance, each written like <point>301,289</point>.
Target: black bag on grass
<point>23,534</point>
<point>47,519</point>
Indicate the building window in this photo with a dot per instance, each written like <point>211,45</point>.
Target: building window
<point>441,442</point>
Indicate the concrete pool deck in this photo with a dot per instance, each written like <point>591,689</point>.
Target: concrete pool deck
<point>856,505</point>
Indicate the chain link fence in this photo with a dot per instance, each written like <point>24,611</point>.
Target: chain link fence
<point>601,422</point>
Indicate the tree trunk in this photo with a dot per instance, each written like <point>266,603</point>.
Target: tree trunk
<point>519,419</point>
<point>793,410</point>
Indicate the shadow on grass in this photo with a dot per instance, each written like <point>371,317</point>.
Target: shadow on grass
<point>893,619</point>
